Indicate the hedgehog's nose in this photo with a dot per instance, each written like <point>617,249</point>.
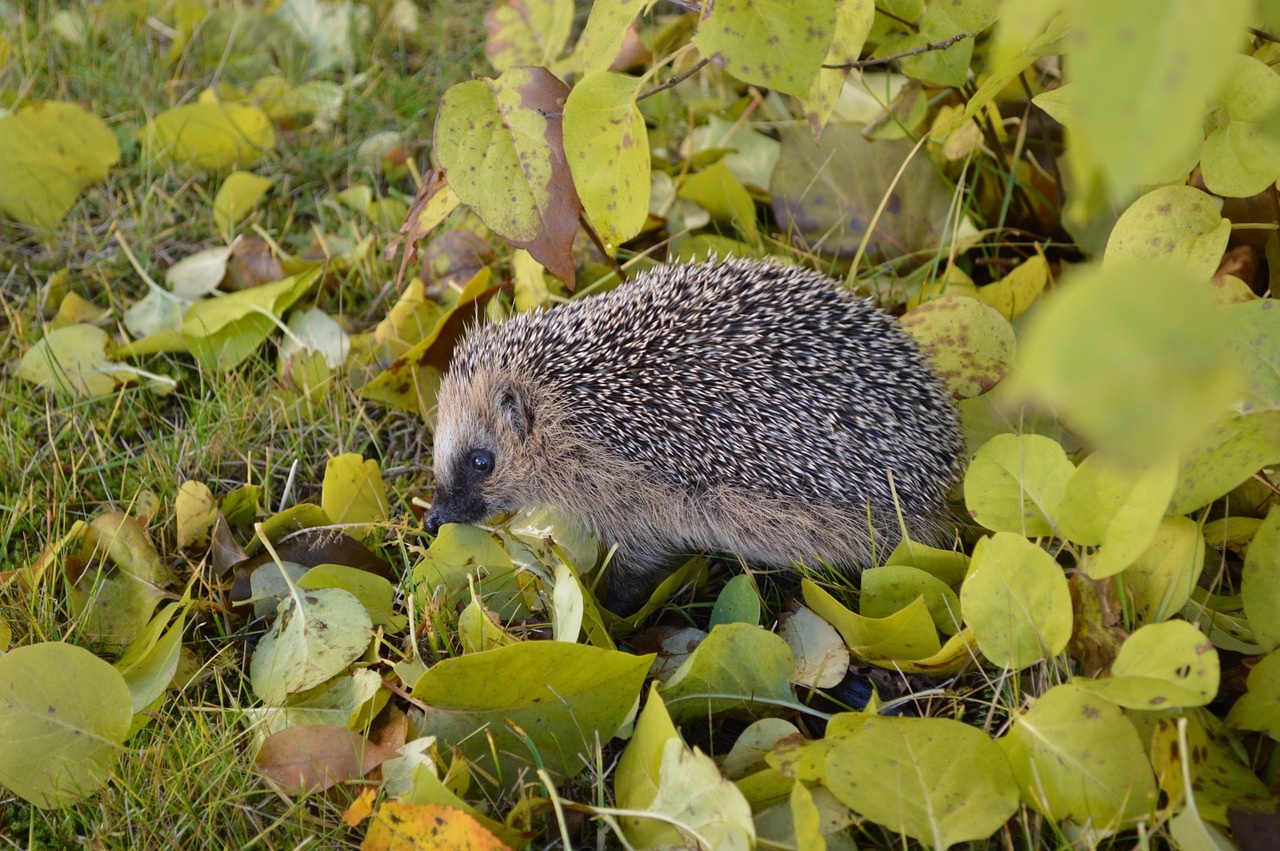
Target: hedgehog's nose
<point>433,521</point>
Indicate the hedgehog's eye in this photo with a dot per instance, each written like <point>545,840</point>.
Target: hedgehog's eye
<point>481,461</point>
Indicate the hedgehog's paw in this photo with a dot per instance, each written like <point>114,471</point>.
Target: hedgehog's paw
<point>631,577</point>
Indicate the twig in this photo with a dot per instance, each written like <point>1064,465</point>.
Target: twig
<point>924,48</point>
<point>676,80</point>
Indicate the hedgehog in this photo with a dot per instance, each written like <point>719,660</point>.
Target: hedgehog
<point>734,407</point>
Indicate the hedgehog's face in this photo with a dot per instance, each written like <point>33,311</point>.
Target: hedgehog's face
<point>481,466</point>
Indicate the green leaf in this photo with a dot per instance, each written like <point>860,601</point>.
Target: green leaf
<point>1016,601</point>
<point>933,779</point>
<point>1242,157</point>
<point>1252,330</point>
<point>852,26</point>
<point>969,343</point>
<point>1117,507</point>
<point>1260,585</point>
<point>776,44</point>
<point>607,148</point>
<point>224,331</point>
<point>1160,666</point>
<point>49,153</point>
<point>236,197</point>
<point>1259,708</point>
<point>949,67</point>
<point>1140,382</point>
<point>740,664</point>
<point>317,634</point>
<point>1225,457</point>
<point>461,554</point>
<point>1077,757</point>
<point>602,37</point>
<point>718,191</point>
<point>209,136</point>
<point>504,157</point>
<point>72,361</point>
<point>1162,577</point>
<point>892,588</point>
<point>738,602</point>
<point>527,32</point>
<point>1171,59</point>
<point>907,635</point>
<point>149,663</point>
<point>1178,223</point>
<point>544,700</point>
<point>1015,484</point>
<point>64,715</point>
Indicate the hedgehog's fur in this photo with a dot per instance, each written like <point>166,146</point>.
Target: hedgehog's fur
<point>737,406</point>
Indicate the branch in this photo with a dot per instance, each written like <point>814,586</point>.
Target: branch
<point>676,80</point>
<point>924,48</point>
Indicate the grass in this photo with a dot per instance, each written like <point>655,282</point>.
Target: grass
<point>188,780</point>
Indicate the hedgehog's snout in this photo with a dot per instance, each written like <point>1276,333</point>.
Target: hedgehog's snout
<point>434,521</point>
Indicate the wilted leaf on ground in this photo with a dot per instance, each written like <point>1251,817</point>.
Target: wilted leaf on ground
<point>821,657</point>
<point>313,758</point>
<point>196,512</point>
<point>1116,507</point>
<point>64,714</point>
<point>209,136</point>
<point>692,793</point>
<point>118,594</point>
<point>317,634</point>
<point>933,779</point>
<point>747,668</point>
<point>411,381</point>
<point>236,197</point>
<point>1215,764</point>
<point>826,195</point>
<point>968,342</point>
<point>196,275</point>
<point>346,701</point>
<point>315,331</point>
<point>1078,758</point>
<point>636,780</point>
<point>375,593</point>
<point>73,361</point>
<point>402,827</point>
<point>1015,484</point>
<point>224,331</point>
<point>49,153</point>
<point>1016,600</point>
<point>562,696</point>
<point>1018,290</point>
<point>738,602</point>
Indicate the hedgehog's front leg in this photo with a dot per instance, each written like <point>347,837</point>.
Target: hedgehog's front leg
<point>632,575</point>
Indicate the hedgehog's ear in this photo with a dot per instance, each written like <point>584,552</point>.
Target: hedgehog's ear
<point>516,409</point>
